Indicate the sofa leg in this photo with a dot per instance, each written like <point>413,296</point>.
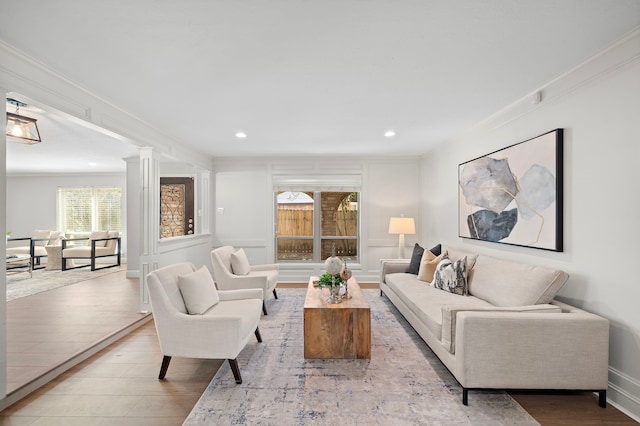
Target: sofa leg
<point>465,396</point>
<point>258,336</point>
<point>275,294</point>
<point>602,398</point>
<point>264,308</point>
<point>236,371</point>
<point>163,368</point>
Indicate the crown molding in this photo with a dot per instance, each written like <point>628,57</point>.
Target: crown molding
<point>616,56</point>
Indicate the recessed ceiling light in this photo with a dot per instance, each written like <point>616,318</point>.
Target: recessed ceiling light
<point>241,135</point>
<point>92,164</point>
<point>389,133</point>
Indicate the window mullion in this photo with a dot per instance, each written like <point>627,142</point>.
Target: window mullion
<point>317,227</point>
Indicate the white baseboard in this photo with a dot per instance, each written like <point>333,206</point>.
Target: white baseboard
<point>624,393</point>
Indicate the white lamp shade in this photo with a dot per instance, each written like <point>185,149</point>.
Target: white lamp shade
<point>402,225</point>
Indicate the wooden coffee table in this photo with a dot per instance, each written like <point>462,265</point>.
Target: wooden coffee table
<point>342,330</point>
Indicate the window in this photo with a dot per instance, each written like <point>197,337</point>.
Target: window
<point>311,225</point>
<point>85,209</point>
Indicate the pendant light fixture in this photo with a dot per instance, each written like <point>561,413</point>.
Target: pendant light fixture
<point>20,128</point>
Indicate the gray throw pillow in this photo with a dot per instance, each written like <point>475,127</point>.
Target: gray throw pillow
<point>416,257</point>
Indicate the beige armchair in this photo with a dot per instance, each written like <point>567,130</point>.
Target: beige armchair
<point>101,244</point>
<point>34,246</point>
<point>231,271</point>
<point>219,331</point>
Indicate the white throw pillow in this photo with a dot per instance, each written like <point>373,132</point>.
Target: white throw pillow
<point>240,263</point>
<point>198,291</point>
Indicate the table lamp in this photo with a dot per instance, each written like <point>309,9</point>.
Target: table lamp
<point>401,226</point>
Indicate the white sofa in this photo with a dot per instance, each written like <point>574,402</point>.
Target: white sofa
<point>509,332</point>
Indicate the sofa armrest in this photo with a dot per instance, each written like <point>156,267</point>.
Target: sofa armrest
<point>506,350</point>
<point>245,293</point>
<point>392,266</point>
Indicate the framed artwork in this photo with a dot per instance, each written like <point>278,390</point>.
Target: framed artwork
<point>514,195</point>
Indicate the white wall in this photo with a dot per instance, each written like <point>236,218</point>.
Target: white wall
<point>598,105</point>
<point>31,199</point>
<point>26,76</point>
<point>244,190</point>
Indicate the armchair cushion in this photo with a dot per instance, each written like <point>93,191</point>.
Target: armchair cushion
<point>96,235</point>
<point>240,263</point>
<point>112,244</point>
<point>198,291</point>
<point>42,235</point>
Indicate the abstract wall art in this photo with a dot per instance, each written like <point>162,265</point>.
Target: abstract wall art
<point>514,195</point>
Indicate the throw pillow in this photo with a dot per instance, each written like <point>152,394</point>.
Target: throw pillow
<point>198,291</point>
<point>451,276</point>
<point>437,250</point>
<point>416,257</point>
<point>428,266</point>
<point>240,263</point>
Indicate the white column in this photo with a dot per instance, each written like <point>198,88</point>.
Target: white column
<point>3,230</point>
<point>149,216</point>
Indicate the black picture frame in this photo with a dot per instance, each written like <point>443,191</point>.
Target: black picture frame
<point>515,195</point>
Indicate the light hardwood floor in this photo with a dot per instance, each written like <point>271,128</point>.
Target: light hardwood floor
<point>119,385</point>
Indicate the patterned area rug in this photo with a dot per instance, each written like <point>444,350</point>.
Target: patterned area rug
<point>21,285</point>
<point>404,383</point>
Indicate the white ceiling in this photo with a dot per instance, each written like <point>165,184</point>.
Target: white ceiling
<point>312,77</point>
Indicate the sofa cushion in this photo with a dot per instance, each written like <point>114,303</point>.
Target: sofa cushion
<point>455,254</point>
<point>240,262</point>
<point>78,252</point>
<point>198,291</point>
<point>505,283</point>
<point>451,276</point>
<point>416,257</point>
<point>425,301</point>
<point>450,312</point>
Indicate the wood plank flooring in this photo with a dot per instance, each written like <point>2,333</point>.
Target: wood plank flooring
<point>45,329</point>
<point>119,385</point>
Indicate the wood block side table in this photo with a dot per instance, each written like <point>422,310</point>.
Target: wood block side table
<point>340,330</point>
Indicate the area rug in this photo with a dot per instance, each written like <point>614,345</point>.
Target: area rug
<point>21,285</point>
<point>404,383</point>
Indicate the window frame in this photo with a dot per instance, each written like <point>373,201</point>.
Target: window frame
<point>94,209</point>
<point>318,237</point>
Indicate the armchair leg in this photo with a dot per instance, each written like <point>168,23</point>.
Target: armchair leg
<point>165,365</point>
<point>236,371</point>
<point>275,294</point>
<point>258,336</point>
<point>602,398</point>
<point>264,308</point>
